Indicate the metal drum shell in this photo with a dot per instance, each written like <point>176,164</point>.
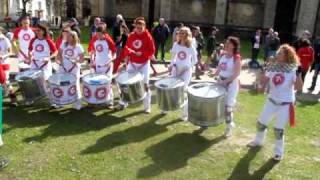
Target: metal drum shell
<point>170,99</point>
<point>204,111</point>
<point>32,88</point>
<point>133,92</point>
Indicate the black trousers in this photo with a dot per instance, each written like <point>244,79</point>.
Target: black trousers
<point>315,76</point>
<point>255,53</point>
<point>160,45</point>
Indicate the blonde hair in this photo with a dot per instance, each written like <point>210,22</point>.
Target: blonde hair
<point>75,38</point>
<point>292,57</point>
<point>188,40</point>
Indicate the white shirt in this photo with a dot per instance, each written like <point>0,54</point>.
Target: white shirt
<point>41,48</point>
<point>102,52</point>
<point>70,53</point>
<point>226,66</point>
<point>257,43</point>
<point>24,37</point>
<point>282,86</point>
<point>5,45</point>
<point>183,57</point>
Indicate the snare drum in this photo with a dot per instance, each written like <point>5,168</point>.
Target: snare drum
<point>63,89</point>
<point>131,86</point>
<point>96,88</point>
<point>206,104</point>
<point>32,85</point>
<point>170,93</point>
<point>23,66</point>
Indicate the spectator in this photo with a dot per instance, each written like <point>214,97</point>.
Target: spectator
<point>267,43</point>
<point>306,55</point>
<point>74,26</point>
<point>116,32</point>
<point>160,35</point>
<point>256,41</point>
<point>175,31</point>
<point>316,47</point>
<point>274,45</point>
<point>200,44</point>
<point>212,44</point>
<point>305,35</point>
<point>94,27</point>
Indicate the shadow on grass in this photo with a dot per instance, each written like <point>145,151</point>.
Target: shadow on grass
<point>174,153</point>
<point>60,122</point>
<point>241,171</point>
<point>131,135</point>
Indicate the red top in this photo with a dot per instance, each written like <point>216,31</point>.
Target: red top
<point>111,44</point>
<point>306,55</point>
<point>18,29</point>
<point>58,42</point>
<point>140,43</point>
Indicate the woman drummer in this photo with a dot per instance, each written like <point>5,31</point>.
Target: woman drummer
<point>283,80</point>
<point>140,49</point>
<point>104,52</point>
<point>63,36</point>
<point>228,71</point>
<point>70,55</point>
<point>41,50</point>
<point>184,56</point>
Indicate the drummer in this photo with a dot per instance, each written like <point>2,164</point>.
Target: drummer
<point>41,50</point>
<point>184,56</point>
<point>5,48</point>
<point>23,36</point>
<point>63,36</point>
<point>103,52</point>
<point>70,55</point>
<point>282,80</point>
<point>228,70</point>
<point>140,49</point>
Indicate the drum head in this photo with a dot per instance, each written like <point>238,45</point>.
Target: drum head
<point>96,79</point>
<point>129,78</point>
<point>206,90</point>
<point>61,78</point>
<point>168,83</point>
<point>29,74</point>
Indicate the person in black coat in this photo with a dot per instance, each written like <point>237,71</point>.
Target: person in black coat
<point>316,65</point>
<point>74,25</point>
<point>256,42</point>
<point>160,35</point>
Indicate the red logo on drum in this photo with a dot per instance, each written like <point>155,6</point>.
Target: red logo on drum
<point>26,37</point>
<point>39,48</point>
<point>223,66</point>
<point>137,44</point>
<point>278,79</point>
<point>69,52</point>
<point>182,55</point>
<point>101,93</point>
<point>99,48</point>
<point>57,92</point>
<point>72,90</point>
<point>86,92</point>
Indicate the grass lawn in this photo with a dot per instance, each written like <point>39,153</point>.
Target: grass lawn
<point>96,143</point>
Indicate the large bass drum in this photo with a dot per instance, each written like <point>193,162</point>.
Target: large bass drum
<point>96,88</point>
<point>32,85</point>
<point>170,93</point>
<point>206,104</point>
<point>131,86</point>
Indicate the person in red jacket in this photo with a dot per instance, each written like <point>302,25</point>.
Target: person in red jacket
<point>306,55</point>
<point>139,50</point>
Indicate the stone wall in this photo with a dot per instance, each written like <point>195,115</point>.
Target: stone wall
<point>245,14</point>
<point>129,8</point>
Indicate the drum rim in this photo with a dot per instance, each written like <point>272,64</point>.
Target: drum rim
<point>137,72</point>
<point>179,85</point>
<point>18,76</point>
<point>50,82</point>
<point>212,83</point>
<point>108,82</point>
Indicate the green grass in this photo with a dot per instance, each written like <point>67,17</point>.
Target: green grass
<point>96,143</point>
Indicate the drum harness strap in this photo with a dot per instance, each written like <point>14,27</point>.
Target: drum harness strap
<point>37,65</point>
<point>24,55</point>
<point>74,65</point>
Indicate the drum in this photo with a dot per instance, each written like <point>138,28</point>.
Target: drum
<point>63,89</point>
<point>23,67</point>
<point>206,104</point>
<point>170,93</point>
<point>96,88</point>
<point>32,85</point>
<point>131,86</point>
